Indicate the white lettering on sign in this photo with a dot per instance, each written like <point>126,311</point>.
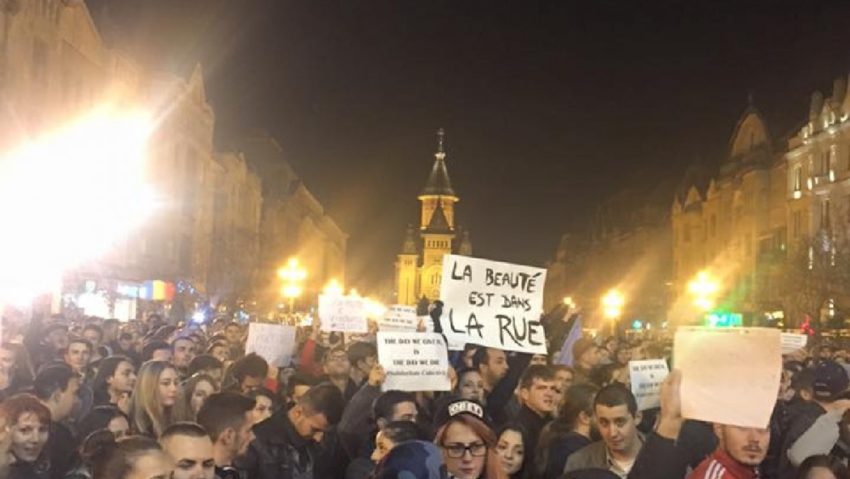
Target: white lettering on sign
<point>493,304</point>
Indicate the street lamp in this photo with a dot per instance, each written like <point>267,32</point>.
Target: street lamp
<point>612,307</point>
<point>293,275</point>
<point>568,301</point>
<point>704,290</point>
<point>333,288</point>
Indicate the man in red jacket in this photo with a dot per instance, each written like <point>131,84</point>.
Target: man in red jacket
<point>738,456</point>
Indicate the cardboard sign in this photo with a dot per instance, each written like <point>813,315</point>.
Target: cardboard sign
<point>493,304</point>
<point>729,376</point>
<point>793,342</point>
<point>274,342</point>
<point>343,313</point>
<point>399,318</point>
<point>414,361</point>
<point>646,378</point>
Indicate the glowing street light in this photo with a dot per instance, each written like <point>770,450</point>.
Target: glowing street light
<point>333,288</point>
<point>293,275</point>
<point>374,309</point>
<point>612,304</point>
<point>568,301</point>
<point>704,289</point>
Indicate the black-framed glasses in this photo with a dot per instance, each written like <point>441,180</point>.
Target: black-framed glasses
<point>456,451</point>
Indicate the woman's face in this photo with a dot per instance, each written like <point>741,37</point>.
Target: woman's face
<point>262,409</point>
<point>202,391</point>
<point>167,387</point>
<point>123,379</point>
<point>511,451</point>
<point>383,445</point>
<point>28,437</point>
<point>472,386</point>
<point>220,353</point>
<point>118,426</point>
<point>464,452</point>
<point>151,465</point>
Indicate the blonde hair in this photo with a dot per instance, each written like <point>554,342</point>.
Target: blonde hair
<point>147,415</point>
<point>492,465</point>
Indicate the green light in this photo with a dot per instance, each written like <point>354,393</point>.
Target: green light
<point>721,319</point>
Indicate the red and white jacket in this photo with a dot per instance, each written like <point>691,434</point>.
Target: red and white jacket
<point>720,466</point>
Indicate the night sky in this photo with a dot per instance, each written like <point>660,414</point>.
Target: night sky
<point>548,107</point>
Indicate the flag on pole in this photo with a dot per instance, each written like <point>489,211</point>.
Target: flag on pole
<point>565,355</point>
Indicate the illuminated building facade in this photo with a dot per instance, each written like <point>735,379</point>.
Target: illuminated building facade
<point>419,265</point>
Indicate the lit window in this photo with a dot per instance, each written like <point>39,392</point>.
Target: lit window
<point>798,178</point>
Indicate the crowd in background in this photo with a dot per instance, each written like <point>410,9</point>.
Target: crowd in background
<point>94,398</point>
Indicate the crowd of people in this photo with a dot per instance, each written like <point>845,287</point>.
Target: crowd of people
<point>92,398</point>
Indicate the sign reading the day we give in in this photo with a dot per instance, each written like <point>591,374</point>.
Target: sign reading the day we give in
<point>646,378</point>
<point>274,342</point>
<point>414,361</point>
<point>399,318</point>
<point>493,304</point>
<point>343,313</point>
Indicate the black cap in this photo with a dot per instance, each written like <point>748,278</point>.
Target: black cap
<point>830,380</point>
<point>458,407</point>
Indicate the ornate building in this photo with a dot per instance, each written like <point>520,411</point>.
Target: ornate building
<point>419,266</point>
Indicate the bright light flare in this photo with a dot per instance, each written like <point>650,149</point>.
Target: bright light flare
<point>292,272</point>
<point>291,291</point>
<point>374,309</point>
<point>704,288</point>
<point>68,197</point>
<point>333,288</point>
<point>612,304</point>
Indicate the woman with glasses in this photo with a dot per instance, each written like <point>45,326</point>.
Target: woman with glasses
<point>467,443</point>
<point>192,396</point>
<point>153,398</point>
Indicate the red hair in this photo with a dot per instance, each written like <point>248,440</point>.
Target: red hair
<point>492,465</point>
<point>13,408</point>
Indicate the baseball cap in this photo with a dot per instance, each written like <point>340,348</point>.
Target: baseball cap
<point>457,407</point>
<point>830,380</point>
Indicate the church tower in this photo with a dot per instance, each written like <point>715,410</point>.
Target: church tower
<point>419,266</point>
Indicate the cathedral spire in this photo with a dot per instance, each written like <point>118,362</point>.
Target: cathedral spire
<point>441,134</point>
<point>438,181</point>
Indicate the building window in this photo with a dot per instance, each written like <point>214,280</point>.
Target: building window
<point>824,213</point>
<point>798,178</point>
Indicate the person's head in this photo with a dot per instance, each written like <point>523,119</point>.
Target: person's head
<point>470,386</point>
<point>395,433</point>
<point>316,411</point>
<point>492,363</point>
<point>362,356</point>
<point>826,351</point>
<point>78,353</point>
<point>298,384</point>
<point>586,353</point>
<point>110,329</point>
<point>617,417</point>
<point>335,363</point>
<point>104,417</point>
<point>411,460</point>
<point>125,341</point>
<point>830,381</point>
<point>206,364</point>
<point>57,385</point>
<point>233,333</point>
<point>219,350</point>
<point>511,440</point>
<point>393,406</point>
<point>191,450</point>
<point>576,410</point>
<point>156,350</point>
<point>56,336</point>
<point>227,418</point>
<point>133,457</point>
<point>539,360</point>
<point>250,372</point>
<point>537,389</point>
<point>29,425</point>
<point>467,443</point>
<point>192,395</point>
<point>182,352</point>
<point>94,334</point>
<point>823,467</point>
<point>624,355</point>
<point>564,376</point>
<point>265,404</point>
<point>15,359</point>
<point>115,375</point>
<point>746,445</point>
<point>155,393</point>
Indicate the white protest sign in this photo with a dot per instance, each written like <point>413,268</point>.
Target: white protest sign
<point>399,318</point>
<point>493,304</point>
<point>414,361</point>
<point>646,378</point>
<point>729,375</point>
<point>793,342</point>
<point>343,313</point>
<point>274,342</point>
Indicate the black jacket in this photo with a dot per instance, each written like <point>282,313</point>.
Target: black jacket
<point>278,452</point>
